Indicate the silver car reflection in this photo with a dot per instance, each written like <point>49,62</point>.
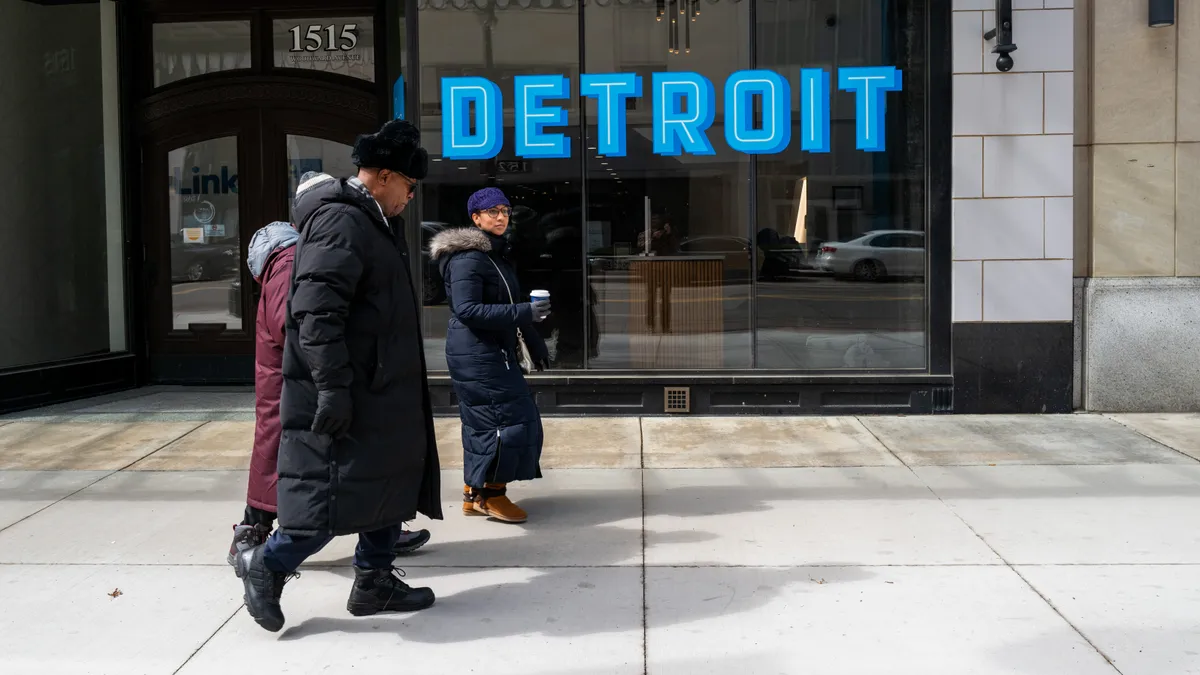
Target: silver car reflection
<point>875,255</point>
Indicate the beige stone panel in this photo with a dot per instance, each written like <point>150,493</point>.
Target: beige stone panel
<point>760,442</point>
<point>1187,21</point>
<point>1187,218</point>
<point>1083,74</point>
<point>1133,221</point>
<point>83,446</point>
<point>1083,211</point>
<point>1133,75</point>
<point>570,443</point>
<point>216,446</point>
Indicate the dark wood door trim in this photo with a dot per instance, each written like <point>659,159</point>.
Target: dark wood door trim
<point>261,112</point>
<point>189,129</point>
<point>215,94</point>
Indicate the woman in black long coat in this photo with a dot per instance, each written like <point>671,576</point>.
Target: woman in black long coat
<point>501,425</point>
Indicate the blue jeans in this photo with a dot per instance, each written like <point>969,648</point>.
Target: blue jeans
<point>285,553</point>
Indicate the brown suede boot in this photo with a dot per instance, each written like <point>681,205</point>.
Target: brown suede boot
<point>492,501</point>
<point>469,502</point>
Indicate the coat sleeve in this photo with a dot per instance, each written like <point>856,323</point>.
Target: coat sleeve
<point>466,298</point>
<point>328,268</point>
<point>275,297</point>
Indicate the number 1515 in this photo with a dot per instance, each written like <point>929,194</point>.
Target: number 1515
<point>314,39</point>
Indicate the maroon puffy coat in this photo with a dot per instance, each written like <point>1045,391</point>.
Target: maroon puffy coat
<point>268,377</point>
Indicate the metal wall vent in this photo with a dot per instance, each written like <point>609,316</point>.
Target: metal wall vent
<point>943,399</point>
<point>677,399</point>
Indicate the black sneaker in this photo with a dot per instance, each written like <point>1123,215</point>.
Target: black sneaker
<point>382,591</point>
<point>410,541</point>
<point>246,537</point>
<point>263,588</point>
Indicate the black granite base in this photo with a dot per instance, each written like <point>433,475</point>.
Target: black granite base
<point>1015,368</point>
<point>60,382</point>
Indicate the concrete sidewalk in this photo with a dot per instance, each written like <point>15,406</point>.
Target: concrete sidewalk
<point>1032,545</point>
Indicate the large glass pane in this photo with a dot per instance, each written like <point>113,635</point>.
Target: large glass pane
<point>337,45</point>
<point>203,228</point>
<point>667,232</point>
<point>188,49</point>
<point>841,262</point>
<point>61,243</point>
<point>306,153</point>
<point>546,226</point>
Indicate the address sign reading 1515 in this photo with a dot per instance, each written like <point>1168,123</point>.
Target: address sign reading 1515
<point>314,38</point>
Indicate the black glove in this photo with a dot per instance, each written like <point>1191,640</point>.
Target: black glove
<point>335,411</point>
<point>541,310</point>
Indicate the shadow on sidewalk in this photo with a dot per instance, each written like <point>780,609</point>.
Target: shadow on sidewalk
<point>567,600</point>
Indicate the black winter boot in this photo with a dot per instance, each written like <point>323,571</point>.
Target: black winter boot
<point>263,588</point>
<point>382,590</point>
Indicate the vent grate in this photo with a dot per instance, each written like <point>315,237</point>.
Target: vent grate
<point>943,399</point>
<point>677,399</point>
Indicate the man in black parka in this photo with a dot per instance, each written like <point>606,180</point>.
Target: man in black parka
<point>357,453</point>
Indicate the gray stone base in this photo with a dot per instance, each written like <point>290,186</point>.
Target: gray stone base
<point>1141,345</point>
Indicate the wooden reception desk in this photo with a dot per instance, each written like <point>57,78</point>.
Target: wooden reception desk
<point>677,311</point>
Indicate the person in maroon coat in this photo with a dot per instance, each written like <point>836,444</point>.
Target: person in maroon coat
<point>272,250</point>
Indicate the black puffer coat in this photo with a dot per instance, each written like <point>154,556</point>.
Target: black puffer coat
<point>353,323</point>
<point>501,426</point>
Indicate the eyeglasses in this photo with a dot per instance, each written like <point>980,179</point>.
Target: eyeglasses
<point>412,184</point>
<point>497,211</point>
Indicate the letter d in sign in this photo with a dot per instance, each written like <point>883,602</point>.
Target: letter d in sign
<point>458,93</point>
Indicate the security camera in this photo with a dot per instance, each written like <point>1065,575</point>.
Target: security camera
<point>1004,63</point>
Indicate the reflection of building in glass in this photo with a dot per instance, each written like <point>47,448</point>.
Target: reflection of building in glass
<point>763,218</point>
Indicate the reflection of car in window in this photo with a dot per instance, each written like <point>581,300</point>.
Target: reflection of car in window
<point>773,261</point>
<point>875,255</point>
<point>203,262</point>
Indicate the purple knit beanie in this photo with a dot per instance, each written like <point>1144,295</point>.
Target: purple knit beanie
<point>485,199</point>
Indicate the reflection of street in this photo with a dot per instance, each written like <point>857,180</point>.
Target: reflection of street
<point>803,322</point>
<point>202,302</point>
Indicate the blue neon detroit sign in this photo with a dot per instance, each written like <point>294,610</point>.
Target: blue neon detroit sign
<point>678,128</point>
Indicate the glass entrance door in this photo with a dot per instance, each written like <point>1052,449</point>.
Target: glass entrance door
<point>203,185</point>
<point>212,187</point>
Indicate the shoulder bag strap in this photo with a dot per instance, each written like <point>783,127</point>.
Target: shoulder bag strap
<point>510,296</point>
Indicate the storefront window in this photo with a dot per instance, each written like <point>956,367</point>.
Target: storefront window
<point>744,187</point>
<point>669,266</point>
<point>840,233</point>
<point>306,153</point>
<point>61,243</point>
<point>546,193</point>
<point>189,49</point>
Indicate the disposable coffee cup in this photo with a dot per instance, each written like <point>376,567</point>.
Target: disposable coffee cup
<point>537,295</point>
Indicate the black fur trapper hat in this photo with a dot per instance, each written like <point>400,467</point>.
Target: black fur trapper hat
<point>396,147</point>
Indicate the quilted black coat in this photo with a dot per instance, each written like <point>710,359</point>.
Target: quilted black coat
<point>501,425</point>
<point>353,323</point>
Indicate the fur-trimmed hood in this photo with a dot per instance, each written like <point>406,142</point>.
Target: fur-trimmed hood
<point>458,239</point>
